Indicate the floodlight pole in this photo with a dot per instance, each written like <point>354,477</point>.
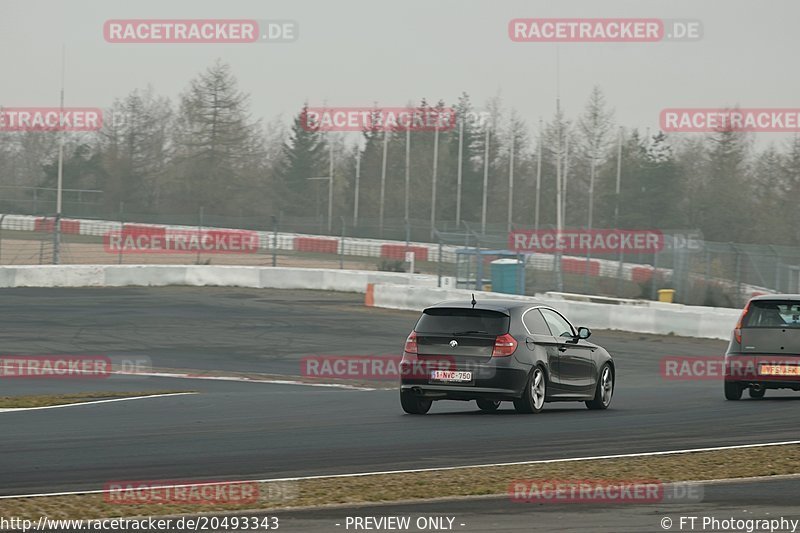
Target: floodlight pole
<point>383,181</point>
<point>460,170</point>
<point>60,185</point>
<point>433,181</point>
<point>330,190</point>
<point>485,181</point>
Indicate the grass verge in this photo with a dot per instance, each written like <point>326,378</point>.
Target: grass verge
<point>47,400</point>
<point>696,466</point>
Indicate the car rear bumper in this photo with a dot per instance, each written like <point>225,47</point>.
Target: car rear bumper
<point>450,392</point>
<point>769,371</point>
<point>499,380</point>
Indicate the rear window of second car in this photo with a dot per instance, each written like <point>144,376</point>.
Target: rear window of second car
<point>456,320</point>
<point>773,314</point>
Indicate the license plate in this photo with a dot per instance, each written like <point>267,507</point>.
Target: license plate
<point>451,375</point>
<point>779,370</point>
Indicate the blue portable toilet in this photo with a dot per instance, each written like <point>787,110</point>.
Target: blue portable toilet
<point>508,276</point>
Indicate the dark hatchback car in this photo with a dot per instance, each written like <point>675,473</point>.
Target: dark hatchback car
<point>502,350</point>
<point>764,351</point>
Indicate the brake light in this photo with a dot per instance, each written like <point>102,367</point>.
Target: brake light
<point>737,332</point>
<point>411,343</point>
<point>504,345</point>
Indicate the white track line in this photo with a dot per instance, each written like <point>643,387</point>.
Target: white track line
<point>243,379</point>
<point>92,402</point>
<point>439,469</point>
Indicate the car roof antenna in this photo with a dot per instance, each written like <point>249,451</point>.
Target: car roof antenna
<point>473,300</point>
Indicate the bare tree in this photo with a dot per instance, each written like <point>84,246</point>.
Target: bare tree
<point>219,148</point>
<point>594,126</point>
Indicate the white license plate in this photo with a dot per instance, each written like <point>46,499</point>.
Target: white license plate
<point>451,375</point>
<point>779,370</point>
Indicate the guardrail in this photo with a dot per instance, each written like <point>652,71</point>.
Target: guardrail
<point>321,246</point>
<point>382,289</point>
<point>202,275</point>
<point>655,318</point>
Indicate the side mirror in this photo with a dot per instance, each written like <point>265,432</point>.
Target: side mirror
<point>584,333</point>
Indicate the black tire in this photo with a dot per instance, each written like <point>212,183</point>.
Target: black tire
<point>604,390</point>
<point>488,405</point>
<point>533,397</point>
<point>413,404</point>
<point>733,391</point>
<point>756,395</point>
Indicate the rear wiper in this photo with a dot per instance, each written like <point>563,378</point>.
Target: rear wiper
<point>470,331</point>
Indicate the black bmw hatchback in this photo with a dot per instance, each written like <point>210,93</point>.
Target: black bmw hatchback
<point>502,350</point>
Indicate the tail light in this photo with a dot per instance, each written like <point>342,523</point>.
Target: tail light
<point>411,343</point>
<point>737,332</point>
<point>504,345</point>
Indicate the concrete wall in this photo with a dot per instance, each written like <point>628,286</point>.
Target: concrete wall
<point>201,275</point>
<point>390,290</point>
<point>649,317</point>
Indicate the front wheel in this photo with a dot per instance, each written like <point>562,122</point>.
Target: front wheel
<point>488,405</point>
<point>532,400</point>
<point>413,404</point>
<point>604,391</point>
<point>733,391</point>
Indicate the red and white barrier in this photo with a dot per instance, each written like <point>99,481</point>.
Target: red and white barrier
<point>351,246</point>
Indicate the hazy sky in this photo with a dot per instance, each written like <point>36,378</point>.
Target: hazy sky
<point>355,53</point>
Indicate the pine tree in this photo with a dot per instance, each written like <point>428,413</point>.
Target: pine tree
<point>471,158</point>
<point>726,197</point>
<point>662,186</point>
<point>304,157</point>
<point>791,188</point>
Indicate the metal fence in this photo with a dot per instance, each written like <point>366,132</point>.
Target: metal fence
<point>700,272</point>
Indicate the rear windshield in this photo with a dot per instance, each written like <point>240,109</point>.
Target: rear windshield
<point>773,314</point>
<point>452,320</point>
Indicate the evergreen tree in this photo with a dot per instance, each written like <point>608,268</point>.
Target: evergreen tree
<point>791,190</point>
<point>305,156</point>
<point>471,159</point>
<point>663,186</point>
<point>725,198</point>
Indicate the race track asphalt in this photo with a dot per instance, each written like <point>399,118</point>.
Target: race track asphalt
<point>235,430</point>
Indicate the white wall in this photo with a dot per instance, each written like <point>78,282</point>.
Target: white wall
<point>662,319</point>
<point>390,290</point>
